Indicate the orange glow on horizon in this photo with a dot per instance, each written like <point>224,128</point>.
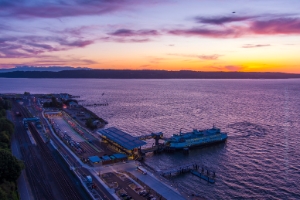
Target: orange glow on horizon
<point>196,65</point>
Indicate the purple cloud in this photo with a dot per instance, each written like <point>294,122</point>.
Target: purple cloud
<point>276,26</point>
<point>76,43</point>
<point>252,26</point>
<point>222,20</point>
<point>128,35</point>
<point>209,57</point>
<point>62,61</point>
<point>51,61</point>
<point>124,40</point>
<point>255,45</point>
<point>43,46</point>
<point>31,46</point>
<point>131,33</point>
<point>202,57</point>
<point>66,8</point>
<point>205,32</point>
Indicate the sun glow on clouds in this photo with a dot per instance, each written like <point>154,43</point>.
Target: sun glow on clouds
<point>133,34</point>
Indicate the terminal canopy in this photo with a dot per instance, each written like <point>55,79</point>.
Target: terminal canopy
<point>121,138</point>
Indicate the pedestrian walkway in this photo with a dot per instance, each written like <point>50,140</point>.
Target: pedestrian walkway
<point>157,186</point>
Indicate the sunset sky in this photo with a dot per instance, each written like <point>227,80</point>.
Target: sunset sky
<point>201,35</point>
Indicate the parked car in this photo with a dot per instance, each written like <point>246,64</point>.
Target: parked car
<point>123,195</point>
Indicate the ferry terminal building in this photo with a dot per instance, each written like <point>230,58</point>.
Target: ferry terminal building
<point>122,141</point>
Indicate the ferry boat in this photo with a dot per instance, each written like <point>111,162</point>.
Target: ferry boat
<point>196,138</point>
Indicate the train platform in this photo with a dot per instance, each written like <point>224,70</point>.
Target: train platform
<point>157,185</point>
<point>66,128</point>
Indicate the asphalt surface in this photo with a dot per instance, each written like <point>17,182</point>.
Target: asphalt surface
<point>122,184</point>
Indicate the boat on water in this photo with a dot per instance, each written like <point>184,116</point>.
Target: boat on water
<point>196,138</point>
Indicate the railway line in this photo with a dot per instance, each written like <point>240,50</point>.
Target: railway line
<point>36,173</point>
<point>41,188</point>
<point>98,193</point>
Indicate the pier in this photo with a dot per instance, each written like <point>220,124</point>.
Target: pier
<point>155,149</point>
<point>96,104</point>
<point>205,174</point>
<point>155,136</point>
<point>202,176</point>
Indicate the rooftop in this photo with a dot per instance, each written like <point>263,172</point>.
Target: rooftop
<point>94,159</point>
<point>119,155</point>
<point>123,139</point>
<point>106,158</point>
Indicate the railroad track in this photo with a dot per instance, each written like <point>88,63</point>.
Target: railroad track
<point>36,173</point>
<point>39,172</point>
<point>31,175</point>
<point>41,189</point>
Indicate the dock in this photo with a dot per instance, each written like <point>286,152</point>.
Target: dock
<point>154,149</point>
<point>205,174</point>
<point>202,176</point>
<point>96,104</point>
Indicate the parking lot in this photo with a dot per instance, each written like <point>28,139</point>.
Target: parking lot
<point>126,188</point>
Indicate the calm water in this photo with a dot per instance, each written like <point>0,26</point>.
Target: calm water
<point>261,158</point>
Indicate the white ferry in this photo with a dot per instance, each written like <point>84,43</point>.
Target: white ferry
<point>196,138</point>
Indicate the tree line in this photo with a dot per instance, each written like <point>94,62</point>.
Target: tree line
<point>10,166</point>
<point>147,74</point>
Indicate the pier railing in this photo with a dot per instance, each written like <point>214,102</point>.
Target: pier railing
<point>195,168</point>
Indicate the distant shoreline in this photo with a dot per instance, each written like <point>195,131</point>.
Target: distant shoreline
<point>147,74</point>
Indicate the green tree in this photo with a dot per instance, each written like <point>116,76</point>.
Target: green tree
<point>2,113</point>
<point>5,104</point>
<point>46,105</point>
<point>55,103</point>
<point>10,166</point>
<point>4,145</point>
<point>8,191</point>
<point>89,123</point>
<point>6,125</point>
<point>4,137</point>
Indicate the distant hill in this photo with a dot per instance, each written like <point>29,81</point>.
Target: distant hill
<point>146,74</point>
<point>36,68</point>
